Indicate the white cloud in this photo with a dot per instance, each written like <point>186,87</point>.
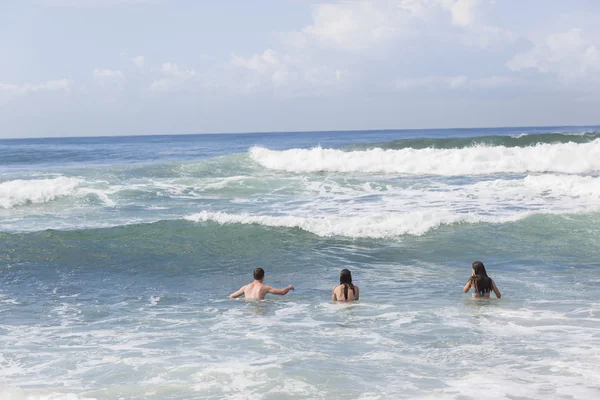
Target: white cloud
<point>447,82</point>
<point>173,77</point>
<point>173,70</point>
<point>350,27</point>
<point>27,88</point>
<point>258,62</point>
<point>462,10</point>
<point>273,69</point>
<point>464,14</point>
<point>568,54</point>
<point>366,27</point>
<point>375,29</point>
<point>359,26</point>
<point>94,3</point>
<point>161,85</point>
<point>108,78</point>
<point>496,81</point>
<point>455,82</point>
<point>266,67</point>
<point>355,26</point>
<point>139,61</point>
<point>487,36</point>
<point>103,74</point>
<point>416,8</point>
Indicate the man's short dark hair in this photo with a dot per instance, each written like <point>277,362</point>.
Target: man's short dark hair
<point>259,273</point>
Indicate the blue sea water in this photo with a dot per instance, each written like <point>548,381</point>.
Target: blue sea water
<point>117,255</point>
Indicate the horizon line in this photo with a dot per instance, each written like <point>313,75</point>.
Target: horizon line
<point>300,131</point>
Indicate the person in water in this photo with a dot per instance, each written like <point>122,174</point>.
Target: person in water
<point>345,291</point>
<point>480,284</point>
<point>257,290</point>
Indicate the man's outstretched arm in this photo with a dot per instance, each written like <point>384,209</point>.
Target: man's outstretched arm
<point>238,293</point>
<point>280,292</point>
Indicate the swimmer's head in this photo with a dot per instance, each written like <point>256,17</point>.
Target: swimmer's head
<point>479,269</point>
<point>481,281</point>
<point>259,274</point>
<point>345,276</point>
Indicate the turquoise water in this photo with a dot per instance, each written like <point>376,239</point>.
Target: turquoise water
<point>117,256</point>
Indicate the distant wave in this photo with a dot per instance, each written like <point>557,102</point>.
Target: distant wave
<point>325,209</point>
<point>19,192</point>
<point>37,191</point>
<point>520,140</point>
<point>570,158</point>
<point>384,225</point>
<point>380,226</point>
<point>376,226</point>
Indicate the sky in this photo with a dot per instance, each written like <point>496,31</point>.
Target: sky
<point>130,67</point>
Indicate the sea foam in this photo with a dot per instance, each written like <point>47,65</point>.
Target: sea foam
<point>572,158</point>
<point>329,210</point>
<point>377,226</point>
<point>19,192</point>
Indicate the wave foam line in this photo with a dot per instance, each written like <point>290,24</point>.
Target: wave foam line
<point>380,226</point>
<point>14,393</point>
<point>19,192</point>
<point>570,158</point>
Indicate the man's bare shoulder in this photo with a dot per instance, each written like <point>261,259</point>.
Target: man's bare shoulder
<point>265,288</point>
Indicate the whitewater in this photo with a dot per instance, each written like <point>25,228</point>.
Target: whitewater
<point>117,256</point>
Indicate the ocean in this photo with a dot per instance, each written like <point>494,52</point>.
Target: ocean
<point>117,255</point>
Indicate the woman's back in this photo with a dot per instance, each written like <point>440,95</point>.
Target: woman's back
<point>480,284</point>
<point>345,291</point>
<point>340,294</point>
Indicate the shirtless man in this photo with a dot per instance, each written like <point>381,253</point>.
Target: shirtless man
<point>256,290</point>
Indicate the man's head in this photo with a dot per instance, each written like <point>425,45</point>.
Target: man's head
<point>259,274</point>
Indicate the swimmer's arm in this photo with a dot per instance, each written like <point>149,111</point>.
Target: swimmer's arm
<point>468,286</point>
<point>357,292</point>
<point>495,289</point>
<point>333,297</point>
<point>279,292</point>
<point>238,293</point>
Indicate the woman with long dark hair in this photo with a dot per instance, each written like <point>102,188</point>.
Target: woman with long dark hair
<point>480,284</point>
<point>345,291</point>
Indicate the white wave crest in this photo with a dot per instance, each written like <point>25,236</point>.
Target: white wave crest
<point>417,210</point>
<point>379,226</point>
<point>570,158</point>
<point>12,393</point>
<point>19,192</point>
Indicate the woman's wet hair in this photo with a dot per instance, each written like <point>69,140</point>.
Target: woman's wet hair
<point>346,280</point>
<point>481,281</point>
